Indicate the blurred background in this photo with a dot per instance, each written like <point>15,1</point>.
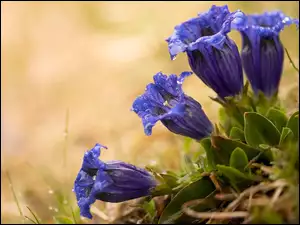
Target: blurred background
<point>70,72</point>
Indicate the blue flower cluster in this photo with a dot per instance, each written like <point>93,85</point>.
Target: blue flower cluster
<point>215,59</point>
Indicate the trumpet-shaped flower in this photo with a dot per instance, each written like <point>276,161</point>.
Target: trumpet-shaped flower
<point>263,53</point>
<point>212,55</point>
<point>112,181</point>
<point>165,101</point>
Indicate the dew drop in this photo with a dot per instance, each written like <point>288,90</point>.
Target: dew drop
<point>65,202</point>
<point>50,208</point>
<point>50,192</point>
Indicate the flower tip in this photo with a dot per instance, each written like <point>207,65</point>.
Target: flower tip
<point>148,129</point>
<point>239,18</point>
<point>172,56</point>
<point>99,146</point>
<point>183,75</point>
<point>87,215</point>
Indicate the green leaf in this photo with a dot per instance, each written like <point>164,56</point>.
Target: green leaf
<point>161,189</point>
<point>266,215</point>
<point>237,134</point>
<point>225,121</point>
<point>293,124</point>
<point>170,180</point>
<point>187,144</point>
<point>235,177</point>
<point>245,88</point>
<point>206,144</point>
<point>223,147</point>
<point>235,112</point>
<point>202,163</point>
<point>196,190</point>
<point>263,103</point>
<point>259,130</point>
<point>238,159</point>
<point>277,117</point>
<point>232,174</point>
<point>149,207</point>
<point>286,136</point>
<point>189,166</point>
<point>62,220</point>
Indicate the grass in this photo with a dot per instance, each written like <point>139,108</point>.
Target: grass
<point>14,193</point>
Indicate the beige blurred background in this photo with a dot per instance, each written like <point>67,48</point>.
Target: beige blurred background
<point>93,59</point>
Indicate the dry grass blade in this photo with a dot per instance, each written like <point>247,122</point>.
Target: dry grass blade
<point>194,202</point>
<point>215,215</point>
<point>73,215</point>
<point>247,220</point>
<point>210,215</point>
<point>225,197</point>
<point>66,133</point>
<point>14,193</point>
<point>266,169</point>
<point>276,195</point>
<point>252,190</point>
<point>215,181</point>
<point>291,61</point>
<point>35,217</point>
<point>260,201</point>
<point>99,213</point>
<point>30,219</point>
<point>250,200</point>
<point>238,201</point>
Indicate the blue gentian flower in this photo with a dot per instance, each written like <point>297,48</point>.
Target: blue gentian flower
<point>263,53</point>
<point>112,181</point>
<point>165,100</point>
<point>212,55</point>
